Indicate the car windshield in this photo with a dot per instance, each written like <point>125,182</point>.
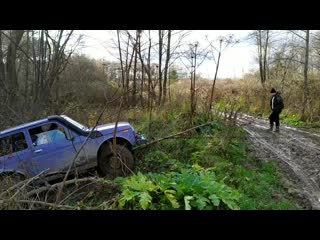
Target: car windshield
<point>79,125</point>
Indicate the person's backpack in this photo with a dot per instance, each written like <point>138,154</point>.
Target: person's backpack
<point>280,101</point>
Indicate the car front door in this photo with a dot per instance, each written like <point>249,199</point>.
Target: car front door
<point>52,148</point>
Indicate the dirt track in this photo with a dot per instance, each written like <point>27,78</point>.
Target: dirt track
<point>298,154</point>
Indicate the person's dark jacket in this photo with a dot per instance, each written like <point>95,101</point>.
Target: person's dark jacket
<point>276,103</point>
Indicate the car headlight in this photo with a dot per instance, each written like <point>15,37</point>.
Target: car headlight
<point>140,138</point>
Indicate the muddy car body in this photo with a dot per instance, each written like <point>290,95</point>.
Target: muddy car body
<point>51,145</point>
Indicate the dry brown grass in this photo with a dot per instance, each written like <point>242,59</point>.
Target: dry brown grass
<point>26,195</point>
<point>256,97</point>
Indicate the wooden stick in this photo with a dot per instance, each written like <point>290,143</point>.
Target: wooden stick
<point>171,136</point>
<point>29,181</point>
<point>23,183</point>
<point>45,188</point>
<point>86,185</point>
<point>47,204</point>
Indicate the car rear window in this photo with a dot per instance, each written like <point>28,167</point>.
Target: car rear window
<point>12,143</point>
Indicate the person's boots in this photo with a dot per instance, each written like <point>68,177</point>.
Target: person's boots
<point>277,129</point>
<point>271,128</point>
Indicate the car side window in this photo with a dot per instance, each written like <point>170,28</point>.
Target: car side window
<point>13,143</point>
<point>46,134</point>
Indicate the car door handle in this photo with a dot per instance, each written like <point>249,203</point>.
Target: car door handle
<point>38,151</point>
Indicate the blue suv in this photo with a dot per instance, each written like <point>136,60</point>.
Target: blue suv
<point>51,145</point>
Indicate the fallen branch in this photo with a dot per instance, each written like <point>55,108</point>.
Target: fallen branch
<point>47,204</point>
<point>23,183</point>
<point>171,136</point>
<point>45,188</point>
<point>86,185</point>
<point>29,181</point>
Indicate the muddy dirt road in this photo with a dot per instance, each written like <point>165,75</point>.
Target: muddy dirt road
<point>298,154</point>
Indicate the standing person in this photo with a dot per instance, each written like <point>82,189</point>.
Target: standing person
<point>276,104</point>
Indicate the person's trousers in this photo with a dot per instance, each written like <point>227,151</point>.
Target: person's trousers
<point>274,117</point>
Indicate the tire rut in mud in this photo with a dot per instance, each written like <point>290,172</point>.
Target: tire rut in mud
<point>298,153</point>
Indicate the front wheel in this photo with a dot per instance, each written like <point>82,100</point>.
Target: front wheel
<point>119,163</point>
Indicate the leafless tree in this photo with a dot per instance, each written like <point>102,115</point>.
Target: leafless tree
<point>11,74</point>
<point>161,37</point>
<point>134,89</point>
<point>3,86</point>
<point>223,43</point>
<point>172,54</point>
<point>34,62</point>
<point>306,92</point>
<point>261,39</point>
<point>121,61</point>
<point>195,56</point>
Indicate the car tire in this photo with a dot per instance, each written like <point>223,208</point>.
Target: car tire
<point>116,166</point>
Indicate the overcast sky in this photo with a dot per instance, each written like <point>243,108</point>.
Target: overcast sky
<point>234,61</point>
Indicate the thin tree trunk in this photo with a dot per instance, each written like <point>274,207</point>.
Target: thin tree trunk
<point>11,61</point>
<point>128,68</point>
<point>142,68</point>
<point>169,88</point>
<point>149,84</point>
<point>35,86</point>
<point>160,65</point>
<point>194,81</point>
<point>306,81</point>
<point>41,65</point>
<point>215,78</point>
<point>260,56</point>
<point>43,68</point>
<point>165,77</point>
<point>265,52</point>
<point>121,62</point>
<point>2,68</point>
<point>142,85</point>
<point>193,86</point>
<point>147,68</point>
<point>134,87</point>
<point>149,77</point>
<point>27,71</point>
